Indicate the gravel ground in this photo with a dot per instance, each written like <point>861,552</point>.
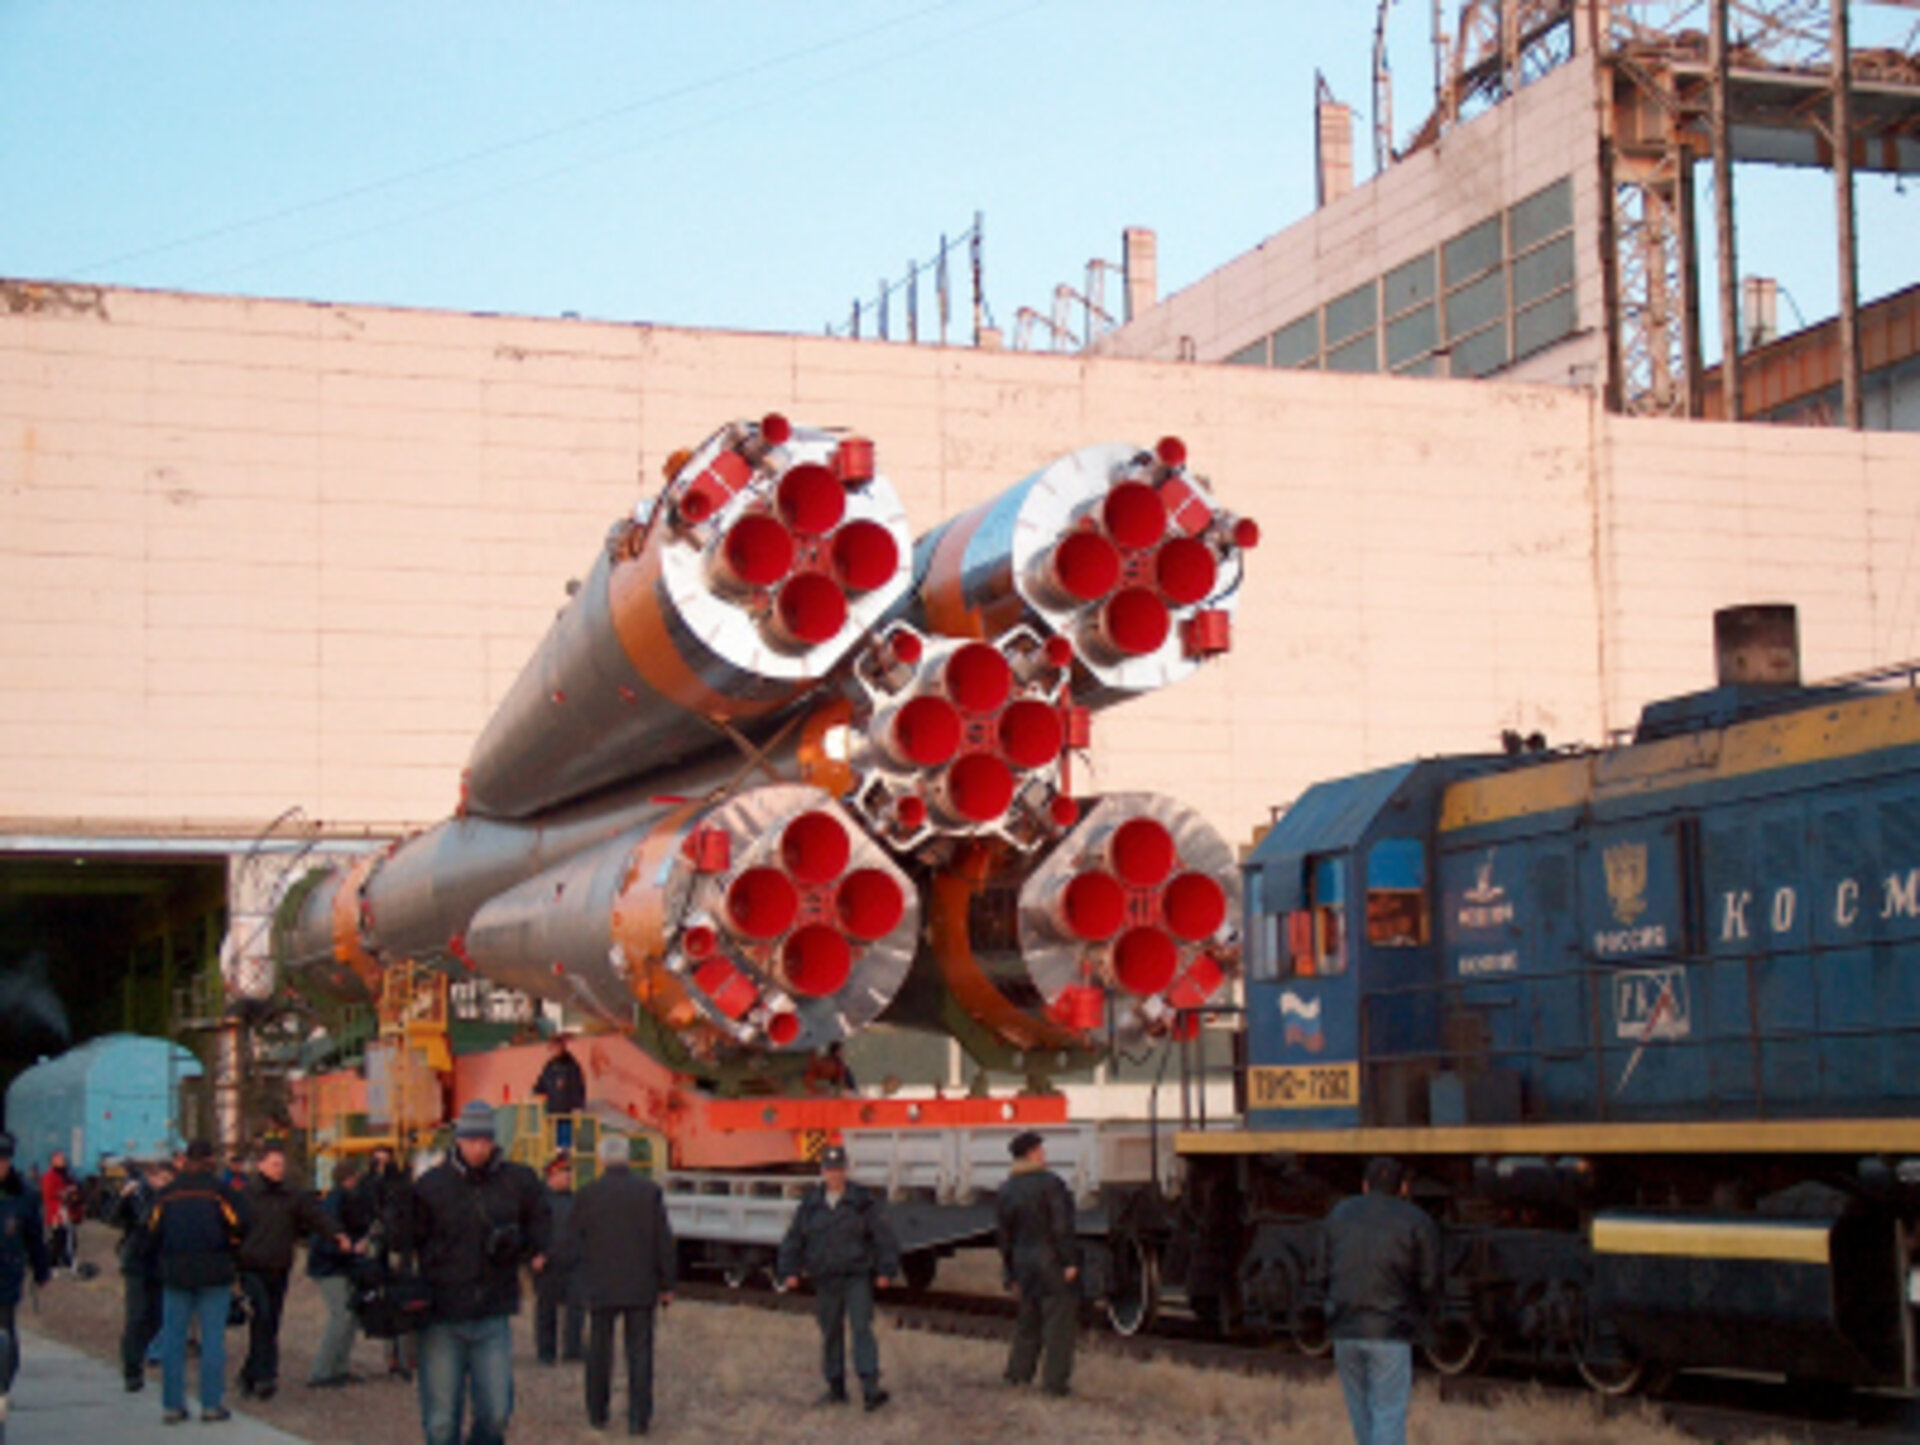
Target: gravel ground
<point>732,1375</point>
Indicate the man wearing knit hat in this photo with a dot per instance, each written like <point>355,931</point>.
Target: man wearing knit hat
<point>1039,1258</point>
<point>472,1221</point>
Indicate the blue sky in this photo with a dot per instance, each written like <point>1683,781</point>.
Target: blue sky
<point>731,163</point>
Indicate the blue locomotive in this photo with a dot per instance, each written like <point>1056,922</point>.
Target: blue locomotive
<point>1644,1021</point>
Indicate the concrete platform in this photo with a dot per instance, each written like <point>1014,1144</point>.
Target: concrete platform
<point>64,1397</point>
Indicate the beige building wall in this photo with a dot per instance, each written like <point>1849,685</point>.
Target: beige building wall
<point>264,555</point>
<point>1474,171</point>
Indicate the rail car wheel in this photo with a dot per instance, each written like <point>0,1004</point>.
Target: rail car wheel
<point>1133,1301</point>
<point>918,1269</point>
<point>1458,1348</point>
<point>1310,1335</point>
<point>737,1276</point>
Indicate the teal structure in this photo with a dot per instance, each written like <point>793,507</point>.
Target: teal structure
<point>110,1098</point>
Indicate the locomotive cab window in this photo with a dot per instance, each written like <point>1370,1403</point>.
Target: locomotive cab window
<point>1397,894</point>
<point>1317,937</point>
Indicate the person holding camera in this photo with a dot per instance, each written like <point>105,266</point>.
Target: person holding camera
<point>471,1222</point>
<point>139,1268</point>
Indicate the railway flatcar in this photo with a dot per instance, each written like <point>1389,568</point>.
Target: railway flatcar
<point>1645,1022</point>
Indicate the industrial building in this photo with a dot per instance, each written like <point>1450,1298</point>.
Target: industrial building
<point>271,564</point>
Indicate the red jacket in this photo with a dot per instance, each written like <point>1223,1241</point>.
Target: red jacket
<point>54,1185</point>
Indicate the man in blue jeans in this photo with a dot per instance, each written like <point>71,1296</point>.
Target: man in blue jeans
<point>196,1224</point>
<point>1380,1257</point>
<point>471,1222</point>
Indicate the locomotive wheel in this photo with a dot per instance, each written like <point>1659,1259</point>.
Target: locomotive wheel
<point>1608,1366</point>
<point>1134,1301</point>
<point>1458,1348</point>
<point>736,1276</point>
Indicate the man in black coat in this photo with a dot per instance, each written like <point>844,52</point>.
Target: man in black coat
<point>471,1222</point>
<point>562,1086</point>
<point>279,1216</point>
<point>622,1248</point>
<point>559,1321</point>
<point>1380,1258</point>
<point>387,1190</point>
<point>23,1251</point>
<point>139,1268</point>
<point>1039,1263</point>
<point>840,1239</point>
<point>196,1226</point>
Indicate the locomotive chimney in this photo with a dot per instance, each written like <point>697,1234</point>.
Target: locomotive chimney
<point>1759,643</point>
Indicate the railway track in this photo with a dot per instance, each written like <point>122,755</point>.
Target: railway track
<point>1708,1407</point>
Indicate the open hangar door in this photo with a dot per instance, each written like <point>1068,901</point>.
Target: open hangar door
<point>96,940</point>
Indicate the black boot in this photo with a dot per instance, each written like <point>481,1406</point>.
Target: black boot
<point>836,1394</point>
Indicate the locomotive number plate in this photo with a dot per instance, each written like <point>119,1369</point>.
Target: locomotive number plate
<point>1314,1086</point>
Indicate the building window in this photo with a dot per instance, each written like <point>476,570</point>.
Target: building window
<point>1254,354</point>
<point>1297,344</point>
<point>1540,245</point>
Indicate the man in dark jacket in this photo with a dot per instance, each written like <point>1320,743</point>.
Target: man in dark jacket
<point>622,1247</point>
<point>1380,1257</point>
<point>472,1222</point>
<point>279,1216</point>
<point>562,1086</point>
<point>387,1189</point>
<point>554,1294</point>
<point>196,1225</point>
<point>841,1241</point>
<point>139,1268</point>
<point>349,1211</point>
<point>1038,1254</point>
<point>23,1248</point>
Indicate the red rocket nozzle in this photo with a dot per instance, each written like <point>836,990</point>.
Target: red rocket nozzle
<point>699,941</point>
<point>1171,452</point>
<point>1145,961</point>
<point>762,903</point>
<point>909,812</point>
<point>869,904</point>
<point>1136,621</point>
<point>978,678</point>
<point>775,429</point>
<point>815,848</point>
<point>1064,810</point>
<point>811,608</point>
<point>1058,651</point>
<point>1093,906</point>
<point>1031,734</point>
<point>1194,906</point>
<point>757,550</point>
<point>865,556</point>
<point>906,646</point>
<point>811,499</point>
<point>926,731</point>
<point>1141,852</point>
<point>1246,534</point>
<point>1135,515</point>
<point>1185,569</point>
<point>979,787</point>
<point>1085,566</point>
<point>782,1029</point>
<point>816,960</point>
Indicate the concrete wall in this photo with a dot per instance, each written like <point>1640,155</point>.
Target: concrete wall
<point>1474,171</point>
<point>258,555</point>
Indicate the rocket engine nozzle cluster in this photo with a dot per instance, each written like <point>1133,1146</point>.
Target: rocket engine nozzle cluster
<point>767,737</point>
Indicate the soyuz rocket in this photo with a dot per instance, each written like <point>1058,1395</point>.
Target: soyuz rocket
<point>780,771</point>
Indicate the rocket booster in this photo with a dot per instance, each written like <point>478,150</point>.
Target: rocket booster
<point>1130,919</point>
<point>1119,551</point>
<point>758,750</point>
<point>769,556</point>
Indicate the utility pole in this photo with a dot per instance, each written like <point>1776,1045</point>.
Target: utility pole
<point>1840,43</point>
<point>1725,257</point>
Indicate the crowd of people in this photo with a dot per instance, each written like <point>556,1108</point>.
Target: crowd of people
<point>202,1245</point>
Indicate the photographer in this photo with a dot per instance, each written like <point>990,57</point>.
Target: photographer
<point>472,1222</point>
